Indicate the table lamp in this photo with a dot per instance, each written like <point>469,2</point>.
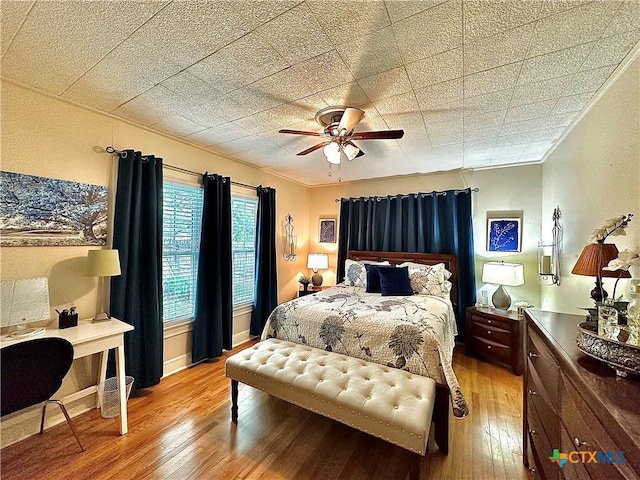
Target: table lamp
<point>502,274</point>
<point>592,260</point>
<point>102,263</point>
<point>316,261</point>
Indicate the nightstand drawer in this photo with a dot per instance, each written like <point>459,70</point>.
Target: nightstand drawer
<point>492,350</point>
<point>493,322</point>
<point>492,332</point>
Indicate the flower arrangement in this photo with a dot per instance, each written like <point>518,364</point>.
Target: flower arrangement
<point>304,280</point>
<point>624,261</point>
<point>613,227</point>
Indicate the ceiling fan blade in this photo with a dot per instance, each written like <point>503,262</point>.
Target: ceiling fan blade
<point>314,148</point>
<point>302,132</point>
<point>379,135</point>
<point>350,118</point>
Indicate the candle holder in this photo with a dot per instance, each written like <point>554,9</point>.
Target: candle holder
<point>290,240</point>
<point>549,254</point>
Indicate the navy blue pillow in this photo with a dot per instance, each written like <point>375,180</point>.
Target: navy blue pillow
<point>373,277</point>
<point>395,281</point>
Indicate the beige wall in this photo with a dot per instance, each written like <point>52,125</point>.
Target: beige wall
<point>515,188</point>
<point>593,175</point>
<point>44,136</point>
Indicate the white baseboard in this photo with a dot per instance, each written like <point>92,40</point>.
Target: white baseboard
<point>240,338</point>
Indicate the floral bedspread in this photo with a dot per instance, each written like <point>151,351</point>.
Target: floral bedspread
<point>414,333</point>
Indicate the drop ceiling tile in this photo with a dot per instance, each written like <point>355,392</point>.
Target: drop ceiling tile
<point>343,24</point>
<point>55,35</point>
<point>407,8</point>
<point>589,80</point>
<point>573,103</point>
<point>238,64</point>
<point>626,18</point>
<point>371,54</point>
<point>152,106</point>
<point>439,94</point>
<point>13,14</point>
<point>483,18</point>
<point>430,32</point>
<point>295,34</point>
<point>479,145</point>
<point>404,103</point>
<point>528,137</point>
<point>444,139</point>
<point>519,113</point>
<point>192,88</point>
<point>500,49</point>
<point>481,133</point>
<point>555,64</point>
<point>189,31</point>
<point>485,103</point>
<point>446,113</point>
<point>553,7</point>
<point>500,78</point>
<point>251,101</point>
<point>207,114</point>
<point>386,84</point>
<point>540,91</point>
<point>244,144</point>
<point>297,116</point>
<point>543,123</point>
<point>450,127</point>
<point>485,120</point>
<point>438,68</point>
<point>220,134</point>
<point>611,50</point>
<point>178,126</point>
<point>582,24</point>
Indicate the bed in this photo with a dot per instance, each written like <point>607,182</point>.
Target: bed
<point>414,333</point>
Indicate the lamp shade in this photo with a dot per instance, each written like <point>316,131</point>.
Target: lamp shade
<point>103,263</point>
<point>317,261</point>
<point>594,258</point>
<point>501,273</point>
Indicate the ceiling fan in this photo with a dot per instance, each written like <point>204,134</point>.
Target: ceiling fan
<point>338,123</point>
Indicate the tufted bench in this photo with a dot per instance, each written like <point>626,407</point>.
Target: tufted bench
<point>386,402</point>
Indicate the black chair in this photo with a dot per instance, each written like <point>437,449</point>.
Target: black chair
<point>31,372</point>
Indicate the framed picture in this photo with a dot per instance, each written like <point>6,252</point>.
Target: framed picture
<point>504,231</point>
<point>327,230</point>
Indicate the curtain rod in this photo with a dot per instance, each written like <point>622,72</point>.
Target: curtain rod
<point>456,192</point>
<point>112,150</point>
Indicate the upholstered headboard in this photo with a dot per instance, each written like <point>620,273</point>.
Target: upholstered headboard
<point>450,262</point>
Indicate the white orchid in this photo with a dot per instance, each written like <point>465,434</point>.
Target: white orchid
<point>624,261</point>
<point>612,227</point>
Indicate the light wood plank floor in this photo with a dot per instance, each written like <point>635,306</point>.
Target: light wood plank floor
<point>181,429</point>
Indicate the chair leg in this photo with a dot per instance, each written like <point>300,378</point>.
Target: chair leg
<point>44,408</point>
<point>66,415</point>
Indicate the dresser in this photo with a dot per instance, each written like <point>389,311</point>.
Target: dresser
<point>577,405</point>
<point>496,336</point>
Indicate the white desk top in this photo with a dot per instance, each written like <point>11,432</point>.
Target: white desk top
<point>86,331</point>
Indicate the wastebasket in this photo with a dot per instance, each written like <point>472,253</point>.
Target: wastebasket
<point>108,396</point>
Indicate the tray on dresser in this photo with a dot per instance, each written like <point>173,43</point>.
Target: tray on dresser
<point>616,352</point>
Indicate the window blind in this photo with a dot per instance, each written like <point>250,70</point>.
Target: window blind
<point>243,243</point>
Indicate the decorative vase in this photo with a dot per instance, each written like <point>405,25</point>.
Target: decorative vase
<point>305,287</point>
<point>633,308</point>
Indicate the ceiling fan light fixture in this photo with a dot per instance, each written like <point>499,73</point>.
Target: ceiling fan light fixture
<point>350,151</point>
<point>334,158</point>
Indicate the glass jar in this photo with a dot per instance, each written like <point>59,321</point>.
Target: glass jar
<point>633,310</point>
<point>607,319</point>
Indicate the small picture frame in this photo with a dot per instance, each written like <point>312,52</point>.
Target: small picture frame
<point>504,231</point>
<point>327,230</point>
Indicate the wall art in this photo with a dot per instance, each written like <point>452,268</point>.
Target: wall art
<point>504,231</point>
<point>327,230</point>
<point>38,211</point>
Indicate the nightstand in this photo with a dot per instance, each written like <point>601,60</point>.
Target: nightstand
<point>495,335</point>
<point>310,290</point>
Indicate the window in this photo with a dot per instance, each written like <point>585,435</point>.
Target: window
<point>243,245</point>
<point>182,220</point>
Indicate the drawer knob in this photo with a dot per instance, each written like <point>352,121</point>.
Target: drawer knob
<point>488,332</point>
<point>532,431</point>
<point>533,355</point>
<point>578,443</point>
<point>532,470</point>
<point>488,347</point>
<point>488,321</point>
<point>532,392</point>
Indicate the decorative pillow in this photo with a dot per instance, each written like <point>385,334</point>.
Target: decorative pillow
<point>447,273</point>
<point>395,281</point>
<point>355,274</point>
<point>429,280</point>
<point>373,277</point>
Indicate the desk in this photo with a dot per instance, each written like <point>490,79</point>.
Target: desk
<point>89,338</point>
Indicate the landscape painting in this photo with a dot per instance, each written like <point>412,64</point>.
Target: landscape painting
<point>38,211</point>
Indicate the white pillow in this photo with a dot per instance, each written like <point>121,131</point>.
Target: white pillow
<point>447,273</point>
<point>429,280</point>
<point>355,273</point>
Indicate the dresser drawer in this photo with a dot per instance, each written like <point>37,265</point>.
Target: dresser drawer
<point>548,418</point>
<point>547,370</point>
<point>541,446</point>
<point>493,332</point>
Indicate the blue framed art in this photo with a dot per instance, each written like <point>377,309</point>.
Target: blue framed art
<point>504,234</point>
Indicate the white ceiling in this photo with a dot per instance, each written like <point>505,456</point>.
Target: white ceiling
<point>473,84</point>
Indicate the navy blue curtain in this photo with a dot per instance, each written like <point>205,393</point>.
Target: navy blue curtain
<point>266,280</point>
<point>213,322</point>
<point>136,295</point>
<point>436,222</point>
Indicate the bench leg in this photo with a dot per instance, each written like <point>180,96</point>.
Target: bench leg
<point>234,401</point>
<point>441,418</point>
<point>414,467</point>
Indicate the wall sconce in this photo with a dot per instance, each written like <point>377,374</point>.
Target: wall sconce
<point>290,240</point>
<point>549,254</point>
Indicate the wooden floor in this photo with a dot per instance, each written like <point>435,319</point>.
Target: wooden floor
<point>181,429</point>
